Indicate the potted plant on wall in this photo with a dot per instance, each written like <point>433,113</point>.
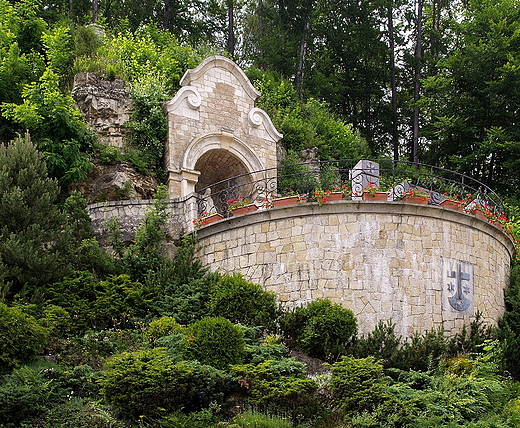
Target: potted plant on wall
<point>373,193</point>
<point>452,203</point>
<point>288,199</point>
<point>241,206</point>
<point>416,196</point>
<point>206,218</point>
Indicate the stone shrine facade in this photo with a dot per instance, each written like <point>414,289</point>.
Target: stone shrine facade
<point>214,130</point>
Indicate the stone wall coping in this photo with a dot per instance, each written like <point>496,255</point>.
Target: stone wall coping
<point>359,207</point>
<point>112,204</point>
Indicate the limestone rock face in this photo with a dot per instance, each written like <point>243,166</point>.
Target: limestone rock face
<point>115,183</point>
<point>106,106</point>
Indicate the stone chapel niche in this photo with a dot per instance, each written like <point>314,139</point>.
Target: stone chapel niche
<point>214,130</point>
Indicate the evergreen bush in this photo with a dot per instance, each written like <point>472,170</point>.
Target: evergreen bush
<point>322,329</point>
<point>23,395</point>
<point>148,383</point>
<point>279,387</point>
<point>357,384</point>
<point>163,326</point>
<point>216,342</point>
<point>21,337</point>
<point>242,302</point>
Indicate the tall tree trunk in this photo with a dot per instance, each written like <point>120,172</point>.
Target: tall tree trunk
<point>167,14</point>
<point>261,29</point>
<point>417,83</point>
<point>303,52</point>
<point>71,9</point>
<point>95,8</point>
<point>393,83</point>
<point>231,28</point>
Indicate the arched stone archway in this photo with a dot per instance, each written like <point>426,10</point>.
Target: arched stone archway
<point>218,165</point>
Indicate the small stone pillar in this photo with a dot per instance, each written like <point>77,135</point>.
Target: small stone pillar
<point>363,175</point>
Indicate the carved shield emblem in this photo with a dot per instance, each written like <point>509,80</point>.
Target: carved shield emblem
<point>457,286</point>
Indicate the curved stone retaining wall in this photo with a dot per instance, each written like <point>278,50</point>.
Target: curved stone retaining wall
<point>421,266</point>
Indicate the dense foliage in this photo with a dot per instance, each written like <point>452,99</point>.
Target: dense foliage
<point>132,337</point>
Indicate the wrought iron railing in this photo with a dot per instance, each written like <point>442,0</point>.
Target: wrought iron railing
<point>304,179</point>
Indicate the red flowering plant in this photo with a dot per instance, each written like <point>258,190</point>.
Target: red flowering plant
<point>321,195</point>
<point>422,193</point>
<point>343,189</point>
<point>372,189</point>
<point>268,203</point>
<point>454,199</point>
<point>201,219</point>
<point>238,202</point>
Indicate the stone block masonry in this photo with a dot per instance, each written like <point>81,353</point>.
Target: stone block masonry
<point>421,266</point>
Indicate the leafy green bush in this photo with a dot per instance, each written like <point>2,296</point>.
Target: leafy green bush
<point>243,302</point>
<point>382,343</point>
<point>148,122</point>
<point>357,384</point>
<point>322,329</point>
<point>21,337</point>
<point>279,387</point>
<point>115,302</point>
<point>56,126</point>
<point>252,419</point>
<point>215,341</point>
<point>270,347</point>
<point>148,383</point>
<point>422,351</point>
<point>119,302</point>
<point>92,347</point>
<point>163,326</point>
<point>144,256</point>
<point>23,394</point>
<point>306,124</point>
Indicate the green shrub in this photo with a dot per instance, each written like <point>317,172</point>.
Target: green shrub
<point>422,351</point>
<point>119,301</point>
<point>215,341</point>
<point>148,383</point>
<point>115,302</point>
<point>279,387</point>
<point>21,337</point>
<point>270,347</point>
<point>252,419</point>
<point>80,414</point>
<point>184,285</point>
<point>322,329</point>
<point>243,302</point>
<point>163,327</point>
<point>382,343</point>
<point>23,394</point>
<point>93,346</point>
<point>357,384</point>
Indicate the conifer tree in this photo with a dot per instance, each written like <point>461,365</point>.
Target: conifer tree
<point>31,226</point>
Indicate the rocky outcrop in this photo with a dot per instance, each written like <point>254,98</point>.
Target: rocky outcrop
<point>106,106</point>
<point>115,183</point>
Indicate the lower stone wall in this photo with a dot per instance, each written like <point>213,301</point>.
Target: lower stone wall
<point>421,266</point>
<point>130,213</point>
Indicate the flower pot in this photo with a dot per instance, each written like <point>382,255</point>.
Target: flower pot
<point>452,205</point>
<point>378,196</point>
<point>416,199</point>
<point>335,196</point>
<point>284,202</point>
<point>213,218</point>
<point>479,214</point>
<point>244,209</point>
